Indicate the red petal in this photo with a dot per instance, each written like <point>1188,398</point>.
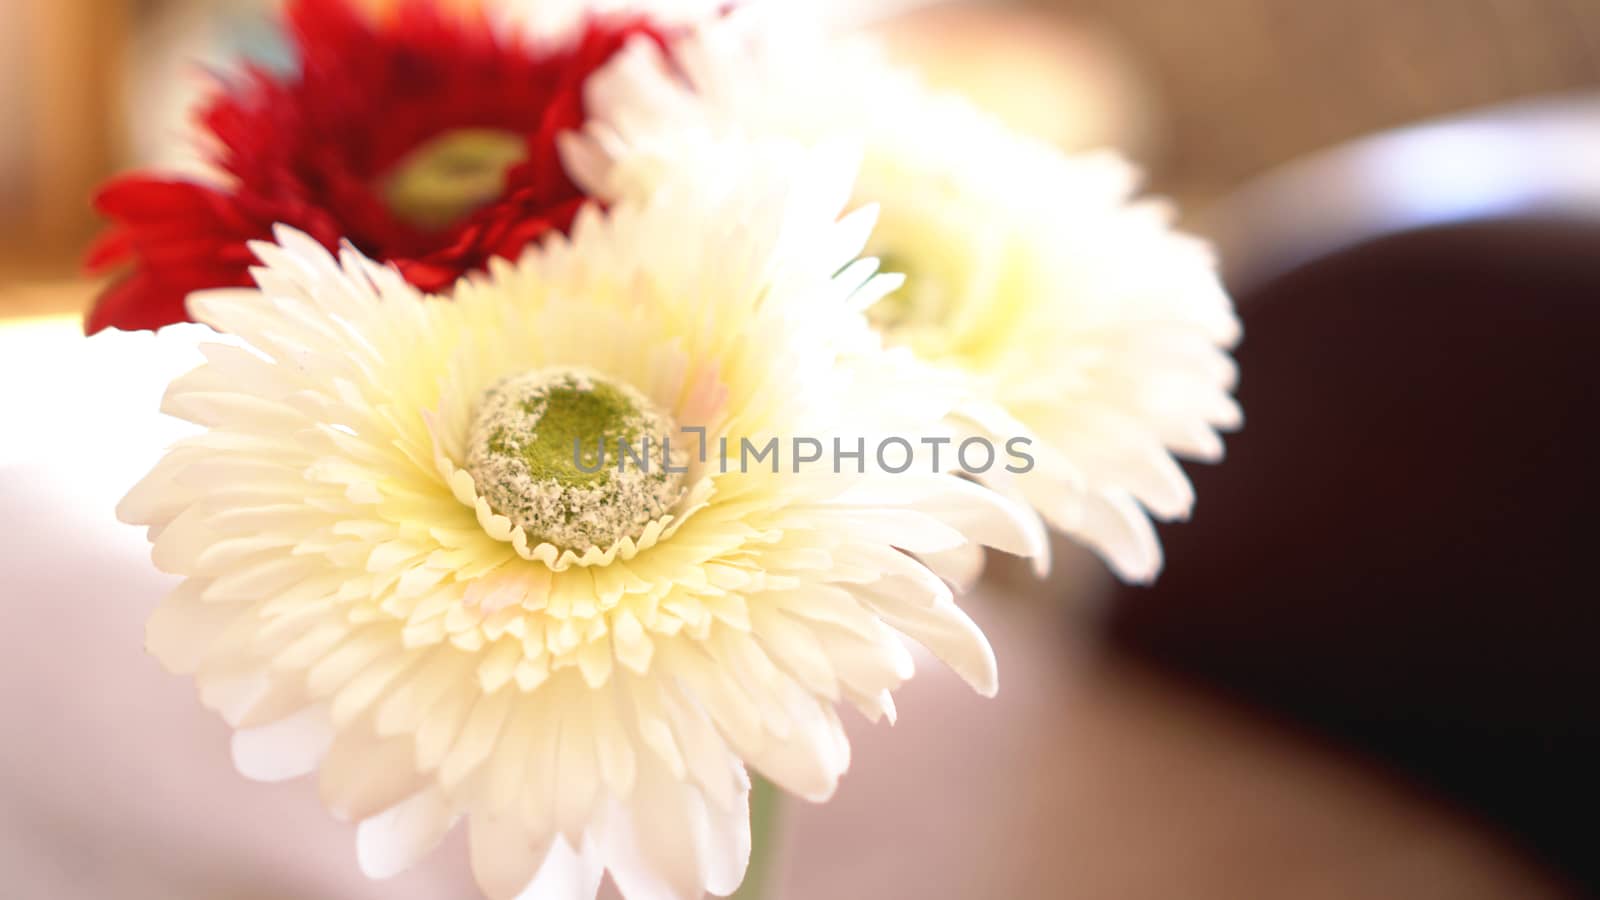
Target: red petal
<point>428,277</point>
<point>109,249</point>
<point>134,303</point>
<point>139,198</point>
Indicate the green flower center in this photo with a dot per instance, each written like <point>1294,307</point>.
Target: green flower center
<point>919,305</point>
<point>573,458</point>
<point>452,175</point>
<point>953,309</point>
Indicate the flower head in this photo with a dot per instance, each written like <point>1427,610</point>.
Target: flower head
<point>1080,320</point>
<point>389,574</point>
<point>424,138</point>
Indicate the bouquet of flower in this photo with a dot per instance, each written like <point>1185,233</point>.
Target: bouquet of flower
<point>601,393</point>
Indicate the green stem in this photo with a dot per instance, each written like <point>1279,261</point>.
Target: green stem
<point>765,799</point>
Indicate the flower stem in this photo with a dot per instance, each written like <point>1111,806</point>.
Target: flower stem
<point>764,802</point>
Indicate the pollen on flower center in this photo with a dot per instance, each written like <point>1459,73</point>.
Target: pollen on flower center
<point>452,175</point>
<point>573,458</point>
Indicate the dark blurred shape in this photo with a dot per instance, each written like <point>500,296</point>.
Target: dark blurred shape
<point>1400,551</point>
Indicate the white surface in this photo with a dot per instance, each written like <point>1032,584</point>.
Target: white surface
<point>114,781</point>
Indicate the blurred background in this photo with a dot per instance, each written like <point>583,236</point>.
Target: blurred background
<point>1370,669</point>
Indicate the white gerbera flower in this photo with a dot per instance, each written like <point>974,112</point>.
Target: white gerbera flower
<point>387,577</point>
<point>1082,321</point>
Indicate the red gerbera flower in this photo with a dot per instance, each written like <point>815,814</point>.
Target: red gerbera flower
<point>424,139</point>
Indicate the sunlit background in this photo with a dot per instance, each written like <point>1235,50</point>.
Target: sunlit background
<point>1370,669</point>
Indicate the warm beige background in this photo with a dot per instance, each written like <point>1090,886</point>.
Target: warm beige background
<point>1247,84</point>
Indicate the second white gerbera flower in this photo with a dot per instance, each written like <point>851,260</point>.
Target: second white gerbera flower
<point>386,579</point>
<point>1079,318</point>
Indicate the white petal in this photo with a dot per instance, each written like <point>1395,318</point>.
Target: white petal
<point>809,761</point>
<point>1122,534</point>
<point>668,843</point>
<point>284,749</point>
<point>182,629</point>
<point>566,874</point>
<point>959,566</point>
<point>505,858</point>
<point>363,775</point>
<point>399,837</point>
<point>941,627</point>
<point>727,845</point>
